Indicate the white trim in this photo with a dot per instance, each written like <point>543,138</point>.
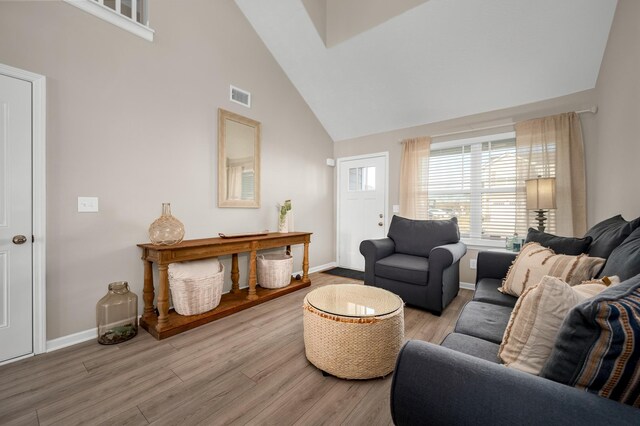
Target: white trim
<point>71,339</point>
<point>111,16</point>
<point>468,141</point>
<point>467,286</point>
<point>319,268</point>
<point>339,161</point>
<point>39,200</point>
<point>12,360</point>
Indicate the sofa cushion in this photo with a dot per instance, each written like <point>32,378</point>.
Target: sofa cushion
<point>560,245</point>
<point>624,260</point>
<point>404,267</point>
<point>419,237</point>
<point>536,319</point>
<point>597,346</point>
<point>535,261</point>
<point>487,291</point>
<point>472,346</point>
<point>484,321</point>
<point>609,234</point>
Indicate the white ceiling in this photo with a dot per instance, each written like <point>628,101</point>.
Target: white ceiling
<point>439,60</point>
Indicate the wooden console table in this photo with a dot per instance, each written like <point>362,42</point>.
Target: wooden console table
<point>167,322</point>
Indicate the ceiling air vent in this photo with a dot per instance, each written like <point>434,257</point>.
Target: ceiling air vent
<point>240,96</point>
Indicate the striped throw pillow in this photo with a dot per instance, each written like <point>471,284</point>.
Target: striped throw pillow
<point>598,345</point>
<point>535,261</point>
<point>612,366</point>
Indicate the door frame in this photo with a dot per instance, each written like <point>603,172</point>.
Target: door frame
<point>39,201</point>
<point>339,162</point>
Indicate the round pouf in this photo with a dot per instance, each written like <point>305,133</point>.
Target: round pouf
<point>357,344</point>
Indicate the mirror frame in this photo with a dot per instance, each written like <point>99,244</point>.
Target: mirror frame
<point>223,116</point>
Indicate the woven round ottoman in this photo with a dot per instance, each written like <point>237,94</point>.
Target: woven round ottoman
<point>353,331</point>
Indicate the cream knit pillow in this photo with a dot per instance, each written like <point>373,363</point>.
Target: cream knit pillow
<point>537,317</point>
<point>535,261</point>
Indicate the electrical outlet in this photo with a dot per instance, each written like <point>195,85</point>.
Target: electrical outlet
<point>473,263</point>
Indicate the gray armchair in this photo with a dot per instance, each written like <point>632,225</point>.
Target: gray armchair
<point>418,261</point>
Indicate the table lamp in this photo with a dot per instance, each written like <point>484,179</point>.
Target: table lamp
<point>541,196</point>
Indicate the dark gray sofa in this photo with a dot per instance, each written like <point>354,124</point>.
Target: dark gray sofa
<point>418,261</point>
<point>462,382</point>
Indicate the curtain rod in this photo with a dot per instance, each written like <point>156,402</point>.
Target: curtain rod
<point>593,110</point>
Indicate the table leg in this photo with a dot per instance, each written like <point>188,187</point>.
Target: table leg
<point>148,292</point>
<point>163,297</point>
<point>305,263</point>
<point>252,275</point>
<point>235,274</point>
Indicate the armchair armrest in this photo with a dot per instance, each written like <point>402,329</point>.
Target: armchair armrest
<point>444,256</point>
<point>374,250</point>
<point>493,264</point>
<point>439,386</point>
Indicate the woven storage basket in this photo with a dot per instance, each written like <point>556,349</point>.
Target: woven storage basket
<point>351,347</point>
<point>199,293</point>
<point>274,270</point>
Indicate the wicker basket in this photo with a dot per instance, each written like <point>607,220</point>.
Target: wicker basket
<point>274,270</point>
<point>198,293</point>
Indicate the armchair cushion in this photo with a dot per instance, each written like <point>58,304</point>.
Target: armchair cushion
<point>404,267</point>
<point>419,237</point>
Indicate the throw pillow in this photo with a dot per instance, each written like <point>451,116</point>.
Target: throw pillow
<point>624,260</point>
<point>597,348</point>
<point>419,237</point>
<point>609,234</point>
<point>560,245</point>
<point>535,261</point>
<point>536,319</point>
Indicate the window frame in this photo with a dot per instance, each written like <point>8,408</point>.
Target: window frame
<point>116,18</point>
<point>475,191</point>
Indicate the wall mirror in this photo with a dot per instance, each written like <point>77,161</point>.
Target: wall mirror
<point>238,161</point>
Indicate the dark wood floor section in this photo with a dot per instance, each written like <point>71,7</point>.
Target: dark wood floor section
<point>248,368</point>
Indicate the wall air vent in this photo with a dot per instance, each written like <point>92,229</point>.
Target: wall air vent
<point>240,96</point>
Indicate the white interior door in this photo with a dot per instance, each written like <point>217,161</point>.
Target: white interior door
<point>16,286</point>
<point>362,186</point>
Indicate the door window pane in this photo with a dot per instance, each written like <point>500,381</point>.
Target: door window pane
<point>362,179</point>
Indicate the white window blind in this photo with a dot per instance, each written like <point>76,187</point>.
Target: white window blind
<point>476,182</point>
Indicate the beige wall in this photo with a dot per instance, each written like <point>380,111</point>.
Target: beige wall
<point>613,168</point>
<point>135,123</point>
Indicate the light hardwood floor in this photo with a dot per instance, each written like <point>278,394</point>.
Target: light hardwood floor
<point>248,368</point>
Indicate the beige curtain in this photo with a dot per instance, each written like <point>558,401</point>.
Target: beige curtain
<point>548,147</point>
<point>414,171</point>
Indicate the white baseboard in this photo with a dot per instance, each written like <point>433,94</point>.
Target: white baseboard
<point>319,268</point>
<point>9,361</point>
<point>83,336</point>
<point>467,286</point>
<point>71,339</point>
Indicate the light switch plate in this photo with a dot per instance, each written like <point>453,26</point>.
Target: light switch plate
<point>87,204</point>
<point>473,263</point>
<point>331,162</point>
<point>396,208</point>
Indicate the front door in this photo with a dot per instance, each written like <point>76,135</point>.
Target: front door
<point>362,185</point>
<point>16,303</point>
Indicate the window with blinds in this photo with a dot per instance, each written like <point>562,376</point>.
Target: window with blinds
<point>476,182</point>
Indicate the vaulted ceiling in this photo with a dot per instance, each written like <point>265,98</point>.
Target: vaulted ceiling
<point>369,66</point>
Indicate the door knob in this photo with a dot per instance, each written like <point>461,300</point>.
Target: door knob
<point>19,239</point>
<point>380,224</point>
<point>380,215</point>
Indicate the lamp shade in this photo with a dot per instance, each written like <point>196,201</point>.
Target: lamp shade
<point>541,193</point>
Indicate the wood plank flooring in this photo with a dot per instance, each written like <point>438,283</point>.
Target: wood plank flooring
<point>245,369</point>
